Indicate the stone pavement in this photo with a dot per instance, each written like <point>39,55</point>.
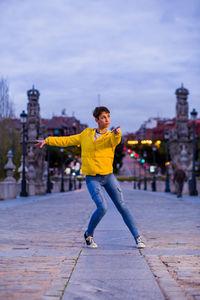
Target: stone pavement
<point>43,256</point>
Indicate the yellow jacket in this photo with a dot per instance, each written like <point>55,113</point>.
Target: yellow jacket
<point>97,155</point>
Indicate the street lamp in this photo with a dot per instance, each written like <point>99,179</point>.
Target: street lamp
<point>154,148</point>
<point>167,182</point>
<point>193,190</point>
<point>23,118</point>
<point>48,171</point>
<point>62,171</point>
<point>145,175</point>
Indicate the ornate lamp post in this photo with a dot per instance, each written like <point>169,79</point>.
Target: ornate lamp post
<point>154,173</point>
<point>145,174</point>
<point>167,182</point>
<point>62,172</point>
<point>23,117</point>
<point>48,172</point>
<point>193,190</point>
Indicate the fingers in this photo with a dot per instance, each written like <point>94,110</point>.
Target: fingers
<point>116,129</point>
<point>40,143</point>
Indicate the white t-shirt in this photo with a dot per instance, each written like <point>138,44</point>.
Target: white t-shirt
<point>97,135</point>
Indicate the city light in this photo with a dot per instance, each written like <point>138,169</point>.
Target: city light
<point>149,142</point>
<point>132,142</point>
<point>144,142</point>
<point>157,143</point>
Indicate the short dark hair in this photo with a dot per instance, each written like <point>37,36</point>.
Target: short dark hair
<point>98,110</point>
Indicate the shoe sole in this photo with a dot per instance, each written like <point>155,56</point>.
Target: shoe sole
<point>143,247</point>
<point>92,247</point>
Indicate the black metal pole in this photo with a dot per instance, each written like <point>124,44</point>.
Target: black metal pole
<point>23,183</point>
<point>167,182</point>
<point>145,179</point>
<point>139,181</point>
<point>134,170</point>
<point>80,183</point>
<point>154,173</point>
<point>62,172</point>
<point>194,191</point>
<point>74,182</point>
<point>48,172</point>
<point>70,180</point>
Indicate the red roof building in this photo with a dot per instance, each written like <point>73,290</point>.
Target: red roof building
<point>63,125</point>
<point>154,128</point>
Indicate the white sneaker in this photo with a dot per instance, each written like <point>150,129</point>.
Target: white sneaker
<point>140,243</point>
<point>90,241</point>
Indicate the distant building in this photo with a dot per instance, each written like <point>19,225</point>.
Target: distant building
<point>63,125</point>
<point>58,125</point>
<point>154,128</point>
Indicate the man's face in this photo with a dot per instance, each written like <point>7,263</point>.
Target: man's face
<point>103,120</point>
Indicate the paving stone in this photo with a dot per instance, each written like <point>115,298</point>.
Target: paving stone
<point>112,289</point>
<point>50,298</point>
<point>42,238</point>
<point>38,243</point>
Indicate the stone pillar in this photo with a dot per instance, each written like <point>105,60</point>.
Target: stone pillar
<point>8,188</point>
<point>35,156</point>
<point>180,140</point>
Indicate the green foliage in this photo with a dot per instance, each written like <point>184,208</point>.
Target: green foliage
<point>69,154</point>
<point>10,140</point>
<point>131,178</point>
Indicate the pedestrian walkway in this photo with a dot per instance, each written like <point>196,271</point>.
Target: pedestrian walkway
<point>116,270</point>
<point>43,255</point>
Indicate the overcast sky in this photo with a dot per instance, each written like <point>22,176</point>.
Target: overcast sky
<point>134,53</point>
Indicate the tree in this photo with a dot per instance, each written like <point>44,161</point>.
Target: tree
<point>6,105</point>
<point>70,153</point>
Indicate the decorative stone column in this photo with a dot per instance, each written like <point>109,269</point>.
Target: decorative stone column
<point>8,187</point>
<point>9,167</point>
<point>180,138</point>
<point>35,155</point>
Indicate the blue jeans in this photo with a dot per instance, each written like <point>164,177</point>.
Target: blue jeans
<point>96,186</point>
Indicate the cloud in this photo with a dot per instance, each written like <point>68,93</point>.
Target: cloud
<point>135,55</point>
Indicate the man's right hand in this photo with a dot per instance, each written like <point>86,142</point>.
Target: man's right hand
<point>40,143</point>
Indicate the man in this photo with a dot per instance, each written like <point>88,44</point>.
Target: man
<point>97,152</point>
<point>179,178</point>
